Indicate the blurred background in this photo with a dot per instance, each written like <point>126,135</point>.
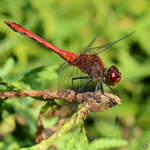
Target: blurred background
<point>71,25</point>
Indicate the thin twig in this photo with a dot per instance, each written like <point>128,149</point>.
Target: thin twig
<point>67,95</point>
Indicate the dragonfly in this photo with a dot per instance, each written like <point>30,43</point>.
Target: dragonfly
<point>89,63</point>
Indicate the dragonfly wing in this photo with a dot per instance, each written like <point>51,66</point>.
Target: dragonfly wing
<point>102,48</point>
<point>65,77</point>
<point>90,44</point>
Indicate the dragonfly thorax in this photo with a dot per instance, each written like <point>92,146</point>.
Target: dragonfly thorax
<point>90,64</point>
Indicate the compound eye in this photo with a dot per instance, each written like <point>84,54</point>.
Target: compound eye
<point>112,76</point>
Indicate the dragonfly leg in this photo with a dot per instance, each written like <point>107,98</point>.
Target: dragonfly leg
<point>97,85</point>
<point>78,78</point>
<point>101,87</point>
<point>84,86</point>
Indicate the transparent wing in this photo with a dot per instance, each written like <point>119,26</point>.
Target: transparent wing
<point>89,45</point>
<point>65,74</point>
<point>102,48</point>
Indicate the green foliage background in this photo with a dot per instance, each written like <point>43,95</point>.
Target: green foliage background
<point>71,25</point>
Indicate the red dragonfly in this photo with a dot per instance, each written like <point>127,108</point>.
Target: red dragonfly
<point>90,64</point>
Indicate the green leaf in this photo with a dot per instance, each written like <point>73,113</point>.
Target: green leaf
<point>8,86</point>
<point>74,140</point>
<point>41,77</point>
<point>7,68</point>
<point>104,143</point>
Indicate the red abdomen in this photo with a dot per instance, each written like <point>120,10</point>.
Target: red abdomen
<point>68,56</point>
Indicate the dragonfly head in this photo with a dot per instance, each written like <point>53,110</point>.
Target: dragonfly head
<point>112,76</point>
